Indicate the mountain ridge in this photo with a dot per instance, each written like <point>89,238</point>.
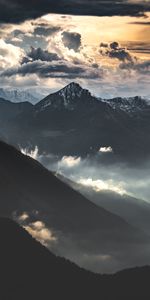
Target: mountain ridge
<point>73,122</point>
<point>73,91</point>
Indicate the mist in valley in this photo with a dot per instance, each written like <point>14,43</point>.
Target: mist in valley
<point>116,186</point>
<point>101,172</point>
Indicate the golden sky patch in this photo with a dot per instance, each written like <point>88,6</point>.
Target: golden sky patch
<point>105,29</point>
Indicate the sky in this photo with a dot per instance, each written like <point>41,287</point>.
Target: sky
<point>102,45</point>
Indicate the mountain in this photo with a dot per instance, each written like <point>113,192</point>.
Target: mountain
<point>9,111</point>
<point>84,231</point>
<point>16,95</point>
<point>69,98</point>
<point>73,95</point>
<point>135,211</point>
<point>73,122</point>
<point>29,271</point>
<point>131,105</point>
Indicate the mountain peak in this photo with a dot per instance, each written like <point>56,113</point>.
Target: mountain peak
<point>70,92</point>
<point>73,85</point>
<point>68,97</point>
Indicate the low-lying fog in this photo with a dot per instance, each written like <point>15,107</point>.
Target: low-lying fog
<point>101,174</point>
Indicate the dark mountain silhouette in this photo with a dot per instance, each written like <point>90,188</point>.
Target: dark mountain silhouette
<point>73,122</point>
<point>80,225</point>
<point>29,271</point>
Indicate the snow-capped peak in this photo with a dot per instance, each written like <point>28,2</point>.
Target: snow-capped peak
<point>17,95</point>
<point>70,92</point>
<point>129,105</point>
<point>68,97</point>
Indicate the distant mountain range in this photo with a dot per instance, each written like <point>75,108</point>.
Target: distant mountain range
<point>73,122</point>
<point>29,271</point>
<point>16,95</point>
<point>82,228</point>
<point>131,105</point>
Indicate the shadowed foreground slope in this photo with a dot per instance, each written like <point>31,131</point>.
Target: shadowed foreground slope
<point>29,271</point>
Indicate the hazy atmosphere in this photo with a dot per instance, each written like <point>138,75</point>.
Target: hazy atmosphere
<point>75,149</point>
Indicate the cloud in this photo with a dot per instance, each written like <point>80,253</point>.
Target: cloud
<point>26,39</point>
<point>10,55</point>
<point>23,217</point>
<point>39,54</point>
<point>39,231</point>
<point>100,185</point>
<point>71,40</point>
<point>69,161</point>
<point>142,67</point>
<point>103,45</point>
<point>46,30</point>
<point>36,228</point>
<point>107,79</point>
<point>17,11</point>
<point>142,47</point>
<point>114,50</point>
<point>32,33</point>
<point>106,149</point>
<point>31,153</point>
<point>140,23</point>
<point>76,169</point>
<point>58,69</point>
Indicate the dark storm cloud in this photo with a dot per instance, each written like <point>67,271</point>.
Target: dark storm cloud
<point>114,50</point>
<point>60,69</point>
<point>40,54</point>
<point>19,10</point>
<point>71,40</point>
